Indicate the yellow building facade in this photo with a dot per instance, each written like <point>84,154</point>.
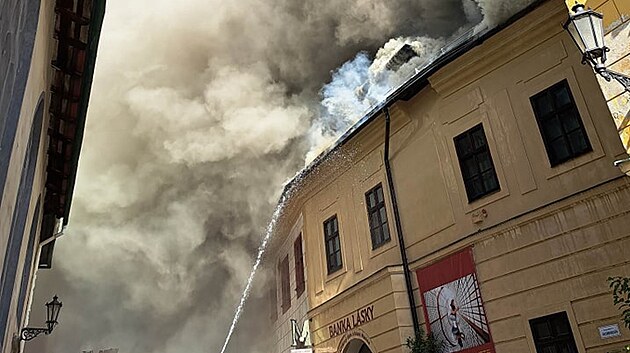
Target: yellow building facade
<point>511,210</point>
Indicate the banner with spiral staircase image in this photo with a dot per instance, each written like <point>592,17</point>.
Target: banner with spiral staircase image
<point>452,303</point>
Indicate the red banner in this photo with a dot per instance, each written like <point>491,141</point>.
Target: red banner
<point>452,304</point>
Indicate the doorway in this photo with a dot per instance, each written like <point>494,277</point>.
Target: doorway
<point>357,346</point>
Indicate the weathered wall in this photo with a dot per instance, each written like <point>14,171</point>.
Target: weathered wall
<point>558,259</point>
<point>18,23</point>
<point>491,84</point>
<point>617,24</point>
<point>27,85</point>
<point>299,305</point>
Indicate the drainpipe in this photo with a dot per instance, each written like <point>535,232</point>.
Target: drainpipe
<point>401,239</point>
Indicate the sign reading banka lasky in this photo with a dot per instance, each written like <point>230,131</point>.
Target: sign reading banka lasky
<point>358,318</point>
<point>452,304</point>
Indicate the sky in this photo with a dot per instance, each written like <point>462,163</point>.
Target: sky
<point>200,112</point>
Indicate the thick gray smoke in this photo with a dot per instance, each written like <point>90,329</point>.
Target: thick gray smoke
<point>200,110</point>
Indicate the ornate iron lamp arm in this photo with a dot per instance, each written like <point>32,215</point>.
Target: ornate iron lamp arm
<point>28,333</point>
<point>621,78</point>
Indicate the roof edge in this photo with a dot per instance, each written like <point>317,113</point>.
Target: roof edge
<point>408,89</point>
<point>96,19</point>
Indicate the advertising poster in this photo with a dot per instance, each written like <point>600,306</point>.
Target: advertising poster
<point>452,303</point>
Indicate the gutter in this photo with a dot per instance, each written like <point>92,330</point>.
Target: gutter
<point>399,232</point>
<point>52,238</point>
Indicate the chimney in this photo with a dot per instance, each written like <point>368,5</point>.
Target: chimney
<point>402,56</point>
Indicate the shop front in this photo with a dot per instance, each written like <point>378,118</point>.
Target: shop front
<point>366,319</point>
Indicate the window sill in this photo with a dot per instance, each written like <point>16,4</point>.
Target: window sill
<point>386,246</point>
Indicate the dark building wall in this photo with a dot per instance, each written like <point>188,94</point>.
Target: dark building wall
<point>18,24</point>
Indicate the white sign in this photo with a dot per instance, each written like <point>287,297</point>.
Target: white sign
<point>300,336</point>
<point>303,350</point>
<point>609,331</point>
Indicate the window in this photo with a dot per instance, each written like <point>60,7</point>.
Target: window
<point>299,266</point>
<point>475,161</point>
<point>273,300</point>
<point>333,245</point>
<point>560,124</point>
<point>377,216</point>
<point>285,281</point>
<point>552,334</point>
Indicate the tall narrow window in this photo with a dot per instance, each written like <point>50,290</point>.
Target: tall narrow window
<point>377,216</point>
<point>273,300</point>
<point>475,161</point>
<point>560,124</point>
<point>285,281</point>
<point>552,334</point>
<point>333,244</point>
<point>300,285</point>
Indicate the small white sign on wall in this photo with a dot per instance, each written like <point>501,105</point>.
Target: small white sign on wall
<point>303,350</point>
<point>609,331</point>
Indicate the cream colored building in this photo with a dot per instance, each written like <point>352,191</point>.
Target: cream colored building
<point>48,51</point>
<point>512,213</point>
<point>289,305</point>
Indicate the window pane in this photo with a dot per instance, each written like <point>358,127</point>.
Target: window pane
<point>374,220</point>
<point>484,161</point>
<point>561,326</point>
<point>561,96</point>
<point>479,139</point>
<point>570,122</point>
<point>383,215</point>
<point>335,225</point>
<point>552,128</point>
<point>385,232</point>
<point>379,194</point>
<point>464,146</point>
<point>577,141</point>
<point>372,199</point>
<point>477,186</point>
<point>541,330</point>
<point>469,169</point>
<point>560,150</point>
<point>543,105</point>
<point>489,181</point>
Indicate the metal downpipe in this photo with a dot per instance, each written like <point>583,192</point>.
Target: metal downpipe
<point>401,239</point>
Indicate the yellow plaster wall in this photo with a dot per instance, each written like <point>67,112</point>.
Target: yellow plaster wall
<point>617,24</point>
<point>551,235</point>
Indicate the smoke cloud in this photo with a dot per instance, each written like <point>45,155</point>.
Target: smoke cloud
<point>200,111</point>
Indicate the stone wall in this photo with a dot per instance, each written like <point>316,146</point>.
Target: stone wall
<point>617,25</point>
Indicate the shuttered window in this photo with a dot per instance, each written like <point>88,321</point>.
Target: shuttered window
<point>300,284</point>
<point>285,280</point>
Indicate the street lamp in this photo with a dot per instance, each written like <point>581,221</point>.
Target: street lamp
<point>52,314</point>
<point>587,30</point>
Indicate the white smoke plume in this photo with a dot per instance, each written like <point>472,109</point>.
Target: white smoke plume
<point>200,110</point>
